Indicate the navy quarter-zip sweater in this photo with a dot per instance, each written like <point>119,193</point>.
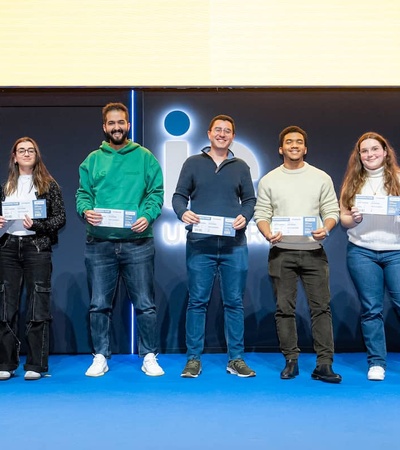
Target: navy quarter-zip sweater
<point>225,190</point>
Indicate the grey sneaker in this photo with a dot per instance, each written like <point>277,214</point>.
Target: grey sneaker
<point>240,368</point>
<point>192,369</point>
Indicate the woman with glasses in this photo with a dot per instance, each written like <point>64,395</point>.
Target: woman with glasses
<point>25,257</point>
<point>373,250</point>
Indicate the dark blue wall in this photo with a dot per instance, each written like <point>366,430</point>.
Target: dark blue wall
<point>67,125</point>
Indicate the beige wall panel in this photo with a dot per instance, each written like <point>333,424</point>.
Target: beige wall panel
<point>199,43</point>
<point>306,43</point>
<point>104,43</point>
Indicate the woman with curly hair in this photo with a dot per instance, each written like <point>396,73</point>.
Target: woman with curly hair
<point>25,258</point>
<point>373,250</point>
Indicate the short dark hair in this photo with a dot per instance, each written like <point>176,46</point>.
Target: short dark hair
<point>292,129</point>
<point>115,107</point>
<point>222,117</point>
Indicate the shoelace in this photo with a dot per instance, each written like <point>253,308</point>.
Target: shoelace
<point>97,361</point>
<point>240,363</point>
<point>152,361</point>
<point>192,364</point>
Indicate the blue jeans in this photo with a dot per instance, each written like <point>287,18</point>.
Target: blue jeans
<point>371,271</point>
<point>105,262</point>
<point>205,259</point>
<point>311,266</point>
<point>21,262</point>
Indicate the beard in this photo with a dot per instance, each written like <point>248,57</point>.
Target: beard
<point>110,137</point>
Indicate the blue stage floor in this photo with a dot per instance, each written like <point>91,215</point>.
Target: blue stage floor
<point>126,409</point>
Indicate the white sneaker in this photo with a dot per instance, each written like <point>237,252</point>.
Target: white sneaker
<point>30,375</point>
<point>6,374</point>
<point>376,373</point>
<point>99,366</point>
<point>150,366</point>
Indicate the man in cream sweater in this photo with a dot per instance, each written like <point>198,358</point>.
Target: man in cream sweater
<point>298,190</point>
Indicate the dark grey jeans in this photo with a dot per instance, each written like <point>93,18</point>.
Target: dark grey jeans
<point>286,267</point>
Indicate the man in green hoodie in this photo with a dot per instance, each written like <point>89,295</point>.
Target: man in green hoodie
<point>120,195</point>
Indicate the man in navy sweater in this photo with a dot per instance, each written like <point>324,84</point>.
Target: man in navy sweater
<point>221,194</point>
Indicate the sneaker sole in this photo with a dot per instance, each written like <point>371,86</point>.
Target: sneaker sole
<point>6,378</point>
<point>32,378</point>
<point>152,374</point>
<point>189,375</point>
<point>233,372</point>
<point>97,374</point>
<point>376,378</point>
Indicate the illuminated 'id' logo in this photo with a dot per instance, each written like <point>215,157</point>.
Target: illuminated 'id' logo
<point>176,150</point>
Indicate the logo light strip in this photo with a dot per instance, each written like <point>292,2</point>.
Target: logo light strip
<point>133,117</point>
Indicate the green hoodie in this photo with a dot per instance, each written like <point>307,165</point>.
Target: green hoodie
<point>129,179</point>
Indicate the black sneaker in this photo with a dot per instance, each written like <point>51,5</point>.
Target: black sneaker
<point>240,368</point>
<point>192,369</point>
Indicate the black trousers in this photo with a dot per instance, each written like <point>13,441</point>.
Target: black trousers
<point>22,263</point>
<point>286,267</point>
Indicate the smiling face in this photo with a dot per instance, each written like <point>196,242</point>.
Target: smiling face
<point>25,156</point>
<point>372,154</point>
<point>221,135</point>
<point>293,150</point>
<point>116,128</point>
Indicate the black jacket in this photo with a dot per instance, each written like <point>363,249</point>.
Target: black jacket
<point>47,229</point>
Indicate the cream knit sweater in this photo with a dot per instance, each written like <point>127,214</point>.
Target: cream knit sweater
<point>307,191</point>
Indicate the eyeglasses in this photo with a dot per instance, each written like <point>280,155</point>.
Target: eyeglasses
<point>219,130</point>
<point>23,151</point>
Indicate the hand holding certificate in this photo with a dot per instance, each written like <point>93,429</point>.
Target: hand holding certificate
<point>116,218</point>
<point>378,204</point>
<point>215,225</point>
<point>294,226</point>
<point>35,209</point>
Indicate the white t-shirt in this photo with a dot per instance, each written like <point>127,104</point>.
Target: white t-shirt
<point>25,191</point>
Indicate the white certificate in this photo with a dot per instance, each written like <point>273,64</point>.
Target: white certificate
<point>294,226</point>
<point>217,225</point>
<point>35,209</point>
<point>116,218</point>
<point>378,204</point>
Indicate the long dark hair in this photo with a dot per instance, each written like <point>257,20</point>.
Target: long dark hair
<point>41,177</point>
